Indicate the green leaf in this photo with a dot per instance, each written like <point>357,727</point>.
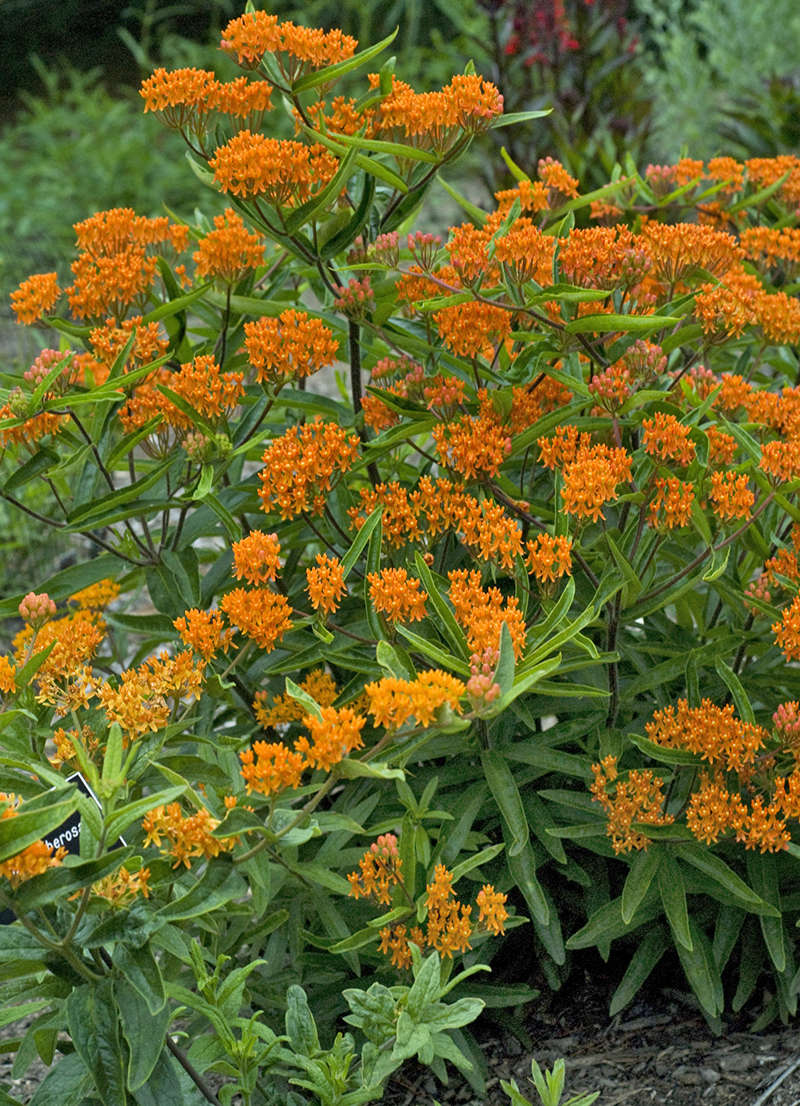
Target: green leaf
<point>515,117</point>
<point>350,558</point>
<point>67,1084</point>
<point>478,217</point>
<point>307,212</point>
<point>333,72</point>
<point>393,149</point>
<point>738,693</point>
<point>715,868</point>
<point>143,1030</point>
<point>637,882</point>
<point>451,629</point>
<point>31,825</point>
<point>43,459</point>
<point>700,970</point>
<point>504,673</point>
<point>117,822</point>
<point>506,795</point>
<point>350,769</point>
<point>94,1029</point>
<point>663,753</point>
<point>301,1028</point>
<point>141,971</point>
<point>219,886</point>
<point>673,899</point>
<point>58,884</point>
<point>763,872</point>
<point>472,862</point>
<point>523,870</point>
<point>650,950</point>
<point>628,324</point>
<point>297,693</point>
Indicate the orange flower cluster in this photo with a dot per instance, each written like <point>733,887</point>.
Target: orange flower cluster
<point>526,252</point>
<point>674,498</point>
<point>549,557</point>
<point>299,467</point>
<point>781,459</point>
<point>35,297</point>
<point>256,557</point>
<point>637,799</point>
<point>270,766</point>
<point>64,741</point>
<point>392,701</point>
<point>256,33</point>
<point>680,249</point>
<point>668,439</point>
<point>285,172</point>
<point>787,630</point>
<point>204,631</point>
<point>379,870</point>
<point>473,329</point>
<point>290,347</point>
<point>186,837</point>
<point>325,583</point>
<point>558,182</point>
<point>228,251</point>
<point>591,480</point>
<point>96,597</point>
<point>262,615</point>
<point>319,684</point>
<point>473,446</point>
<point>721,446</point>
<point>8,672</point>
<point>143,699</point>
<point>436,120</point>
<point>75,640</point>
<point>114,269</point>
<point>713,811</point>
<point>730,495</point>
<point>185,97</point>
<point>709,731</point>
<point>482,612</point>
<point>109,340</point>
<point>122,887</point>
<point>770,246</point>
<point>332,736</point>
<point>201,383</point>
<point>397,595</point>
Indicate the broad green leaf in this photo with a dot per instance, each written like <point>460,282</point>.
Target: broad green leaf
<point>628,324</point>
<point>350,769</point>
<point>67,1084</point>
<point>219,885</point>
<point>141,971</point>
<point>95,1033</point>
<point>58,884</point>
<point>143,1030</point>
<point>472,862</point>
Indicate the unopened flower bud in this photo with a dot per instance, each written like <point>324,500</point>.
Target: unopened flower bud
<point>36,609</point>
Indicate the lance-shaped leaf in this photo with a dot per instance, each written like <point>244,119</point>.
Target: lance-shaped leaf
<point>506,795</point>
<point>333,72</point>
<point>35,819</point>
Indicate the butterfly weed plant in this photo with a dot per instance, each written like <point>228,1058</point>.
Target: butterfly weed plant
<point>505,636</point>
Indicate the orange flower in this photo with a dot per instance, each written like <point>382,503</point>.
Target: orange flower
<point>527,252</point>
<point>299,467</point>
<point>491,908</point>
<point>713,810</point>
<point>187,837</point>
<point>319,684</point>
<point>97,596</point>
<point>710,731</point>
<point>474,446</point>
<point>285,172</point>
<point>256,33</point>
<point>396,594</point>
<point>35,297</point>
<point>781,460</point>
<point>228,251</point>
<point>143,698</point>
<point>638,798</point>
<point>591,480</point>
<point>483,612</point>
<point>8,673</point>
<point>668,439</point>
<point>473,329</point>
<point>787,630</point>
<point>549,557</point>
<point>448,926</point>
<point>392,701</point>
<point>326,584</point>
<point>436,120</point>
<point>730,495</point>
<point>201,383</point>
<point>271,767</point>
<point>674,497</point>
<point>721,446</point>
<point>31,861</point>
<point>204,631</point>
<point>255,557</point>
<point>180,95</point>
<point>259,613</point>
<point>335,734</point>
<point>379,870</point>
<point>291,346</point>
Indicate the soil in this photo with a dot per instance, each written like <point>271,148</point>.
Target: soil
<point>658,1050</point>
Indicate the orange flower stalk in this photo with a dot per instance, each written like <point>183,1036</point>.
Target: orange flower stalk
<point>299,467</point>
<point>379,870</point>
<point>787,630</point>
<point>291,346</point>
<point>259,613</point>
<point>397,595</point>
<point>590,481</point>
<point>392,701</point>
<point>449,926</point>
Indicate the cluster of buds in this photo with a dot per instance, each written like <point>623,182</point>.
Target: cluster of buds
<point>645,360</point>
<point>37,609</point>
<point>357,299</point>
<point>424,248</point>
<point>386,249</point>
<point>359,251</point>
<point>757,589</point>
<point>45,363</point>
<point>379,869</point>
<point>786,720</point>
<point>482,689</point>
<point>392,366</point>
<point>202,448</point>
<point>661,178</point>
